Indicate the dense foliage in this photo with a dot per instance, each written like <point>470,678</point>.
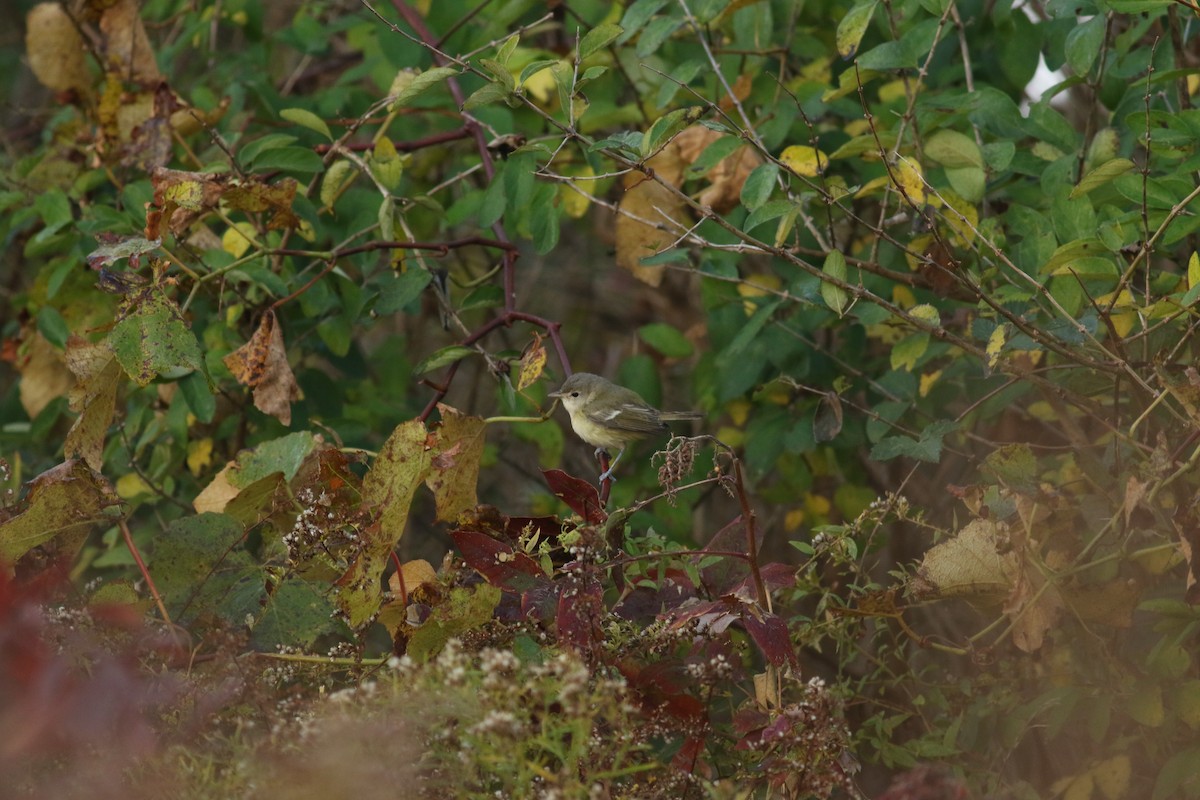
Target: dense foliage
<point>286,286</point>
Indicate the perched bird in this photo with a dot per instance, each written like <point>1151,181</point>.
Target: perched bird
<point>606,415</point>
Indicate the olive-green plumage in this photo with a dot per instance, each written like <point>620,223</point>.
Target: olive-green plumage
<point>606,415</point>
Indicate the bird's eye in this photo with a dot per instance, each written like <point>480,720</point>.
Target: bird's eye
<point>574,394</point>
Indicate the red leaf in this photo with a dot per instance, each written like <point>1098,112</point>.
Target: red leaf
<point>578,617</point>
<point>771,635</point>
<point>498,562</point>
<point>579,495</point>
<point>774,576</point>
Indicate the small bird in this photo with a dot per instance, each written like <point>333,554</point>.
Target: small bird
<point>606,415</point>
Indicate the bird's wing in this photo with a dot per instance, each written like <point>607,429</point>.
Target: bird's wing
<point>630,417</point>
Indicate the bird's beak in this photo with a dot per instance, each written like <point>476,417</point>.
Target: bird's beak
<point>554,394</point>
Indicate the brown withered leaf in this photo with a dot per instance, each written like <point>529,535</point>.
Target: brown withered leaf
<point>44,375</point>
<point>262,364</point>
<point>454,468</point>
<point>1110,603</point>
<point>55,49</point>
<point>976,564</point>
<point>257,197</point>
<point>533,361</point>
<point>180,198</point>
<point>63,503</point>
<point>1033,608</point>
<point>728,176</point>
<point>1189,547</point>
<point>94,398</point>
<point>126,46</point>
<point>741,90</point>
<point>651,216</point>
<point>413,575</point>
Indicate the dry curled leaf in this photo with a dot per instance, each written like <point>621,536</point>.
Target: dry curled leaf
<point>126,46</point>
<point>55,49</point>
<point>651,216</point>
<point>261,364</point>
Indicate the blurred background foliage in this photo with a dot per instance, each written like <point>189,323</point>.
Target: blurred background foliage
<point>946,321</point>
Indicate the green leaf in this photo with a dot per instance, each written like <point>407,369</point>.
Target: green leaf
<point>544,226</point>
<point>505,51</point>
<point>656,34</point>
<point>666,339</point>
<point>54,208</point>
<point>852,27</point>
<point>1083,44</point>
<point>1101,175</point>
<point>598,38</point>
<point>665,128</point>
<point>969,182</point>
<point>307,119</point>
<point>386,217</point>
<point>248,153</point>
<point>953,149</point>
<point>534,67</point>
<point>152,339</point>
<point>443,358</point>
<point>835,296</point>
<point>198,395</point>
<point>200,569</point>
<point>421,84</point>
<point>289,159</point>
<point>397,292</point>
<point>487,94</point>
<point>51,324</point>
<point>499,72</point>
<point>1178,772</point>
<point>296,614</point>
<point>714,153</point>
<point>750,330</point>
<point>759,185</point>
<point>637,15</point>
<point>927,448</point>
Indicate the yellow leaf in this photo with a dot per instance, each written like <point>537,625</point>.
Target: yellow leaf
<point>1112,777</point>
<point>910,179</point>
<point>803,160</point>
<point>927,382</point>
<point>926,313</point>
<point>995,345</point>
<point>1193,270</point>
<point>1080,788</point>
<point>1146,706</point>
<point>1122,321</point>
<point>903,296</point>
<point>793,519</point>
<point>734,437</point>
<point>541,85</point>
<point>817,505</point>
<point>130,485</point>
<point>757,286</point>
<point>872,186</point>
<point>237,239</point>
<point>199,455</point>
<point>575,203</point>
<point>893,90</point>
<point>739,411</point>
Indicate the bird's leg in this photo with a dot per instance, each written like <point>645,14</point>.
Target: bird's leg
<point>607,475</point>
